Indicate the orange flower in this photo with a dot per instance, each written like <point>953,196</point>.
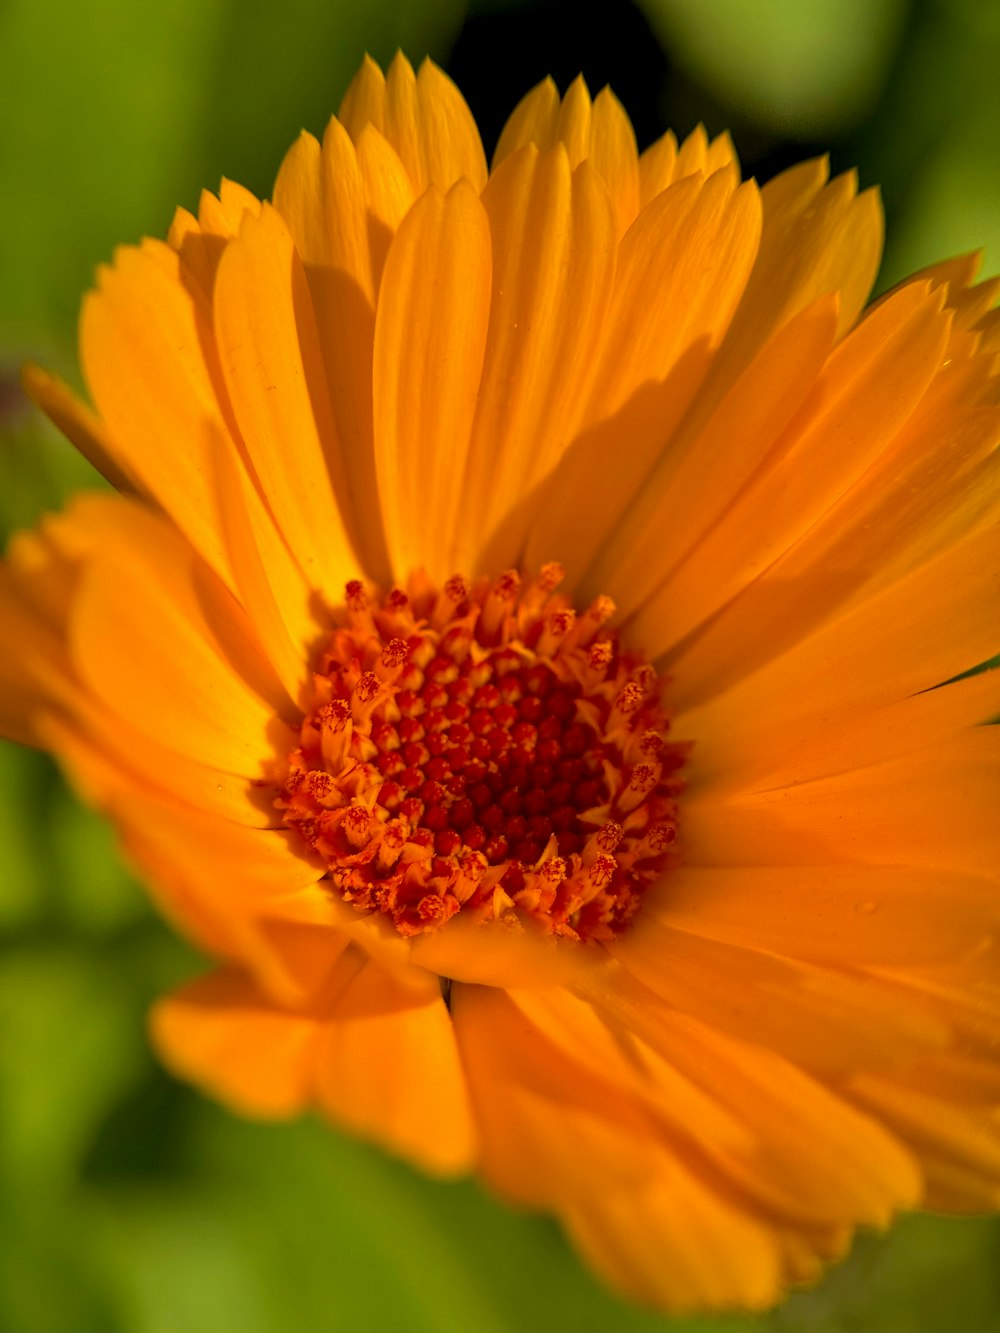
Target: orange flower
<point>659,884</point>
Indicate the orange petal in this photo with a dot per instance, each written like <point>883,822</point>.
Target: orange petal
<point>540,1114</point>
<point>532,121</point>
<point>423,116</point>
<point>816,239</point>
<point>863,398</point>
<point>928,627</point>
<point>200,241</point>
<point>818,1017</point>
<point>932,809</point>
<point>472,951</point>
<point>379,1058</point>
<point>626,1038</point>
<point>911,511</point>
<point>223,215</point>
<point>270,352</point>
<point>430,335</point>
<point>146,763</point>
<point>145,602</point>
<point>958,1147</point>
<point>697,153</point>
<point>680,1245</point>
<point>222,1034</point>
<point>682,498</point>
<point>663,163</point>
<point>680,275</point>
<point>220,882</point>
<point>207,875</point>
<point>270,584</point>
<point>816,1158</point>
<point>143,341</point>
<point>970,300</point>
<point>870,915</point>
<point>553,257</point>
<point>199,252</point>
<point>342,206</point>
<point>543,118</point>
<point>600,132</point>
<point>76,421</point>
<point>614,154</point>
<point>543,1115</point>
<point>389,1068</point>
<point>586,499</point>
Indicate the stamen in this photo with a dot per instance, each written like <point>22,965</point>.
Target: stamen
<point>557,627</point>
<point>451,597</point>
<point>499,603</point>
<point>597,614</point>
<point>478,751</point>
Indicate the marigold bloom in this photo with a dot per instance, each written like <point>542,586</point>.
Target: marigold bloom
<point>516,655</point>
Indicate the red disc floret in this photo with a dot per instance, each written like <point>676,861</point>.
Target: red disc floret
<point>485,751</point>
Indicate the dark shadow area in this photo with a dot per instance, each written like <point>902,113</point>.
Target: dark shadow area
<point>144,1136</point>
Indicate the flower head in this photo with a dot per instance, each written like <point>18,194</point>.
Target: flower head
<point>516,655</point>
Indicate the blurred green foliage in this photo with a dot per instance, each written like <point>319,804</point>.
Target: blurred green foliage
<point>797,69</point>
<point>130,1205</point>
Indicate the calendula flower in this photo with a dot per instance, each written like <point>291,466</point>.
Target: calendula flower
<point>531,653</point>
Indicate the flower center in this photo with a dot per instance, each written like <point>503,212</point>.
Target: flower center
<point>487,751</point>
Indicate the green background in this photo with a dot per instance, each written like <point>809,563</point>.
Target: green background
<point>127,1203</point>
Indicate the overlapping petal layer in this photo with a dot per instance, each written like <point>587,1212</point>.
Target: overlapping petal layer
<point>665,380</point>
